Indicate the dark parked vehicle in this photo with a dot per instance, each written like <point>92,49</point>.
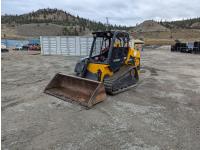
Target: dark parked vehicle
<point>196,48</point>
<point>183,47</point>
<point>176,47</point>
<point>32,47</point>
<point>190,47</point>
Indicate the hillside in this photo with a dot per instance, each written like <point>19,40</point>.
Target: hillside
<point>54,22</point>
<point>64,23</point>
<point>182,24</point>
<point>153,26</point>
<point>149,26</point>
<point>166,32</point>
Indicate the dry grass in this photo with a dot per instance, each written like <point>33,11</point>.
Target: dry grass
<point>159,41</point>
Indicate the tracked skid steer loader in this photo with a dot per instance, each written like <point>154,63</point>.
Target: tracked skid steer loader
<point>111,67</point>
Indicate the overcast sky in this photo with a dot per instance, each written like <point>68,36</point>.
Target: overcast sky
<point>124,12</point>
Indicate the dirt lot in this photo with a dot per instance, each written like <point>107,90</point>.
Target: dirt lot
<point>163,112</point>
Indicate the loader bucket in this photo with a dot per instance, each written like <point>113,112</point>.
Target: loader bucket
<point>75,89</point>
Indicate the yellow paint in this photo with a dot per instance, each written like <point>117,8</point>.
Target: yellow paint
<point>93,68</point>
<point>135,54</point>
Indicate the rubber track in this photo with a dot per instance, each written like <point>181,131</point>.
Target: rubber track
<point>109,82</point>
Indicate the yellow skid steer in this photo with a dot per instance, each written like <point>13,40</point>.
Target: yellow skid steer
<point>111,67</point>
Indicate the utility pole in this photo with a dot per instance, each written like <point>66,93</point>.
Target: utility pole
<point>107,23</point>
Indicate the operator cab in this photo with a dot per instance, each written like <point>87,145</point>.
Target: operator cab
<point>109,47</point>
<point>100,46</point>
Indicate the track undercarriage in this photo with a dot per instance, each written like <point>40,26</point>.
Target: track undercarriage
<point>124,79</point>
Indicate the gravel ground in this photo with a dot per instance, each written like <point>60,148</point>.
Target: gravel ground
<point>162,112</point>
